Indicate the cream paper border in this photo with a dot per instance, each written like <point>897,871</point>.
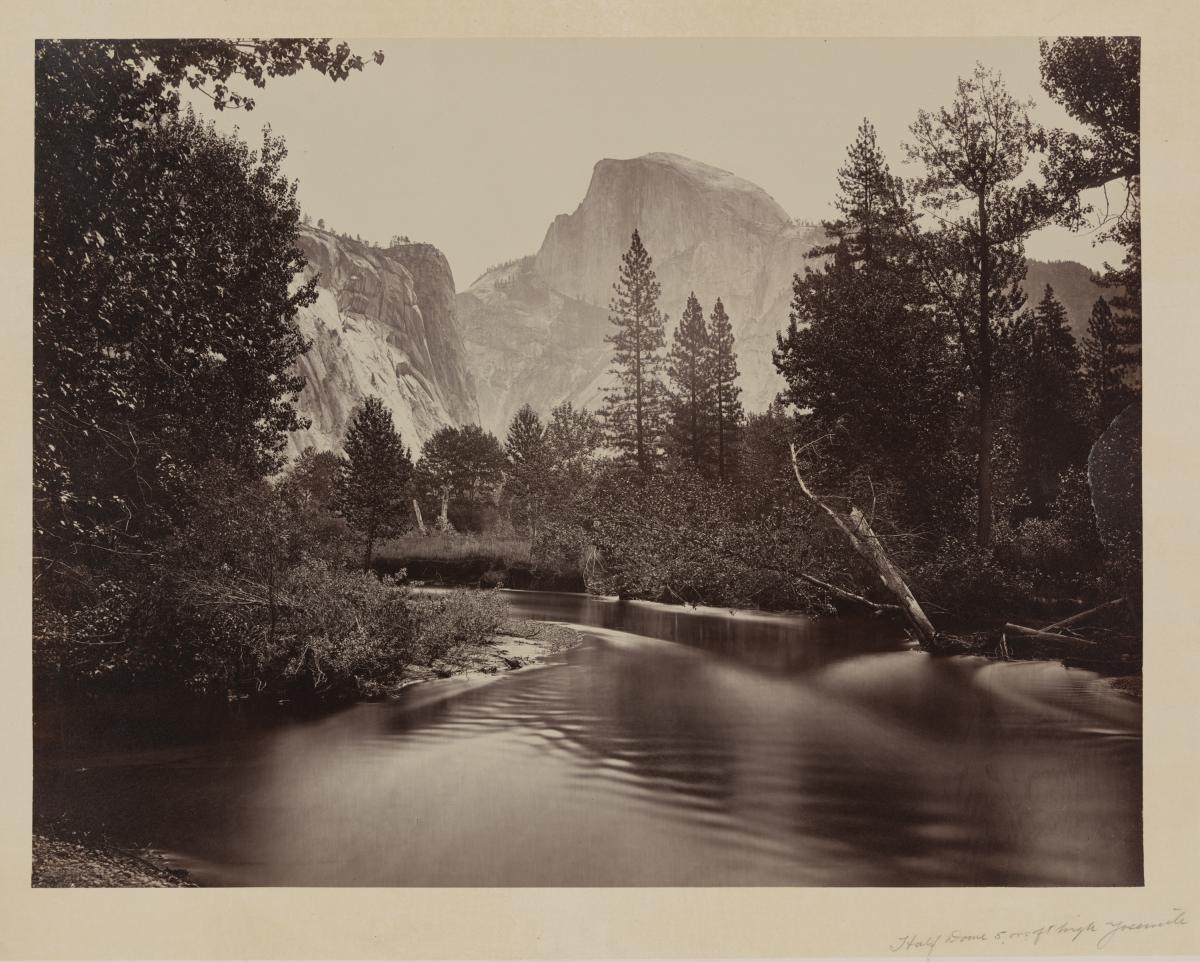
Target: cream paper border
<point>646,922</point>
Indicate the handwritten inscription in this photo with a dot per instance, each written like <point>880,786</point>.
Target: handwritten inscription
<point>1100,934</point>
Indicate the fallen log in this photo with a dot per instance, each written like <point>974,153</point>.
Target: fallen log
<point>1084,615</point>
<point>1045,635</point>
<point>850,595</point>
<point>866,543</point>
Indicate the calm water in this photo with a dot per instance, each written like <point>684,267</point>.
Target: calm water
<point>675,747</point>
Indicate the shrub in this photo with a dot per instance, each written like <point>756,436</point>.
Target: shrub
<point>968,580</point>
<point>452,624</point>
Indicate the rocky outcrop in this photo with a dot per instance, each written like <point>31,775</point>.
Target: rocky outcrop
<point>384,323</point>
<point>1115,477</point>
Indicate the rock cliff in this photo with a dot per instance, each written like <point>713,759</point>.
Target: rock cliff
<point>535,327</point>
<point>384,323</point>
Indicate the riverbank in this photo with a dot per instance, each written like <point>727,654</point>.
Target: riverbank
<point>471,561</point>
<point>66,858</point>
<point>70,862</point>
<point>518,645</point>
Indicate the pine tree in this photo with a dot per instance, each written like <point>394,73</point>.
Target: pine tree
<point>1049,413</point>
<point>871,221</point>
<point>721,364</point>
<point>689,432</point>
<point>633,409</point>
<point>1103,367</point>
<point>527,451</point>
<point>973,153</point>
<point>864,353</point>
<point>373,479</point>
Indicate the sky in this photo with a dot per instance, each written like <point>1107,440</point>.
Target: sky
<point>476,145</point>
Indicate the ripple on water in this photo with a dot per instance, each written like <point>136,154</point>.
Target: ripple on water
<point>675,747</point>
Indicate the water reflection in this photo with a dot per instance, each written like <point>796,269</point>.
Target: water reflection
<point>674,748</point>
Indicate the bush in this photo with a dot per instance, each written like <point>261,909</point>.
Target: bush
<point>450,625</point>
<point>334,632</point>
<point>967,580</point>
<point>245,597</point>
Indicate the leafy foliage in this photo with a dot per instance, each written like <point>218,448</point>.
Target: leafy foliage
<point>163,258</point>
<point>163,334</point>
<point>465,465</point>
<point>1098,81</point>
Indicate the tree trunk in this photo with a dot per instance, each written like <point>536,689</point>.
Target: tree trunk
<point>1084,615</point>
<point>370,549</point>
<point>637,373</point>
<point>848,595</point>
<point>984,526</point>
<point>868,546</point>
<point>721,437</point>
<point>864,541</point>
<point>1046,635</point>
<point>444,515</point>
<point>983,533</point>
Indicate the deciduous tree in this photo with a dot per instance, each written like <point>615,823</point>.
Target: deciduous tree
<point>164,256</point>
<point>1098,81</point>
<point>464,463</point>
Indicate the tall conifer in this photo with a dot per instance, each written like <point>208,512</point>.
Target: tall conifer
<point>1049,398</point>
<point>690,431</point>
<point>722,376</point>
<point>1103,366</point>
<point>975,154</point>
<point>634,407</point>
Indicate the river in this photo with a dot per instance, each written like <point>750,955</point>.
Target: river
<point>674,747</point>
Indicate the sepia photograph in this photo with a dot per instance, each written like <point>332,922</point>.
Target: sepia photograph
<point>585,463</point>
